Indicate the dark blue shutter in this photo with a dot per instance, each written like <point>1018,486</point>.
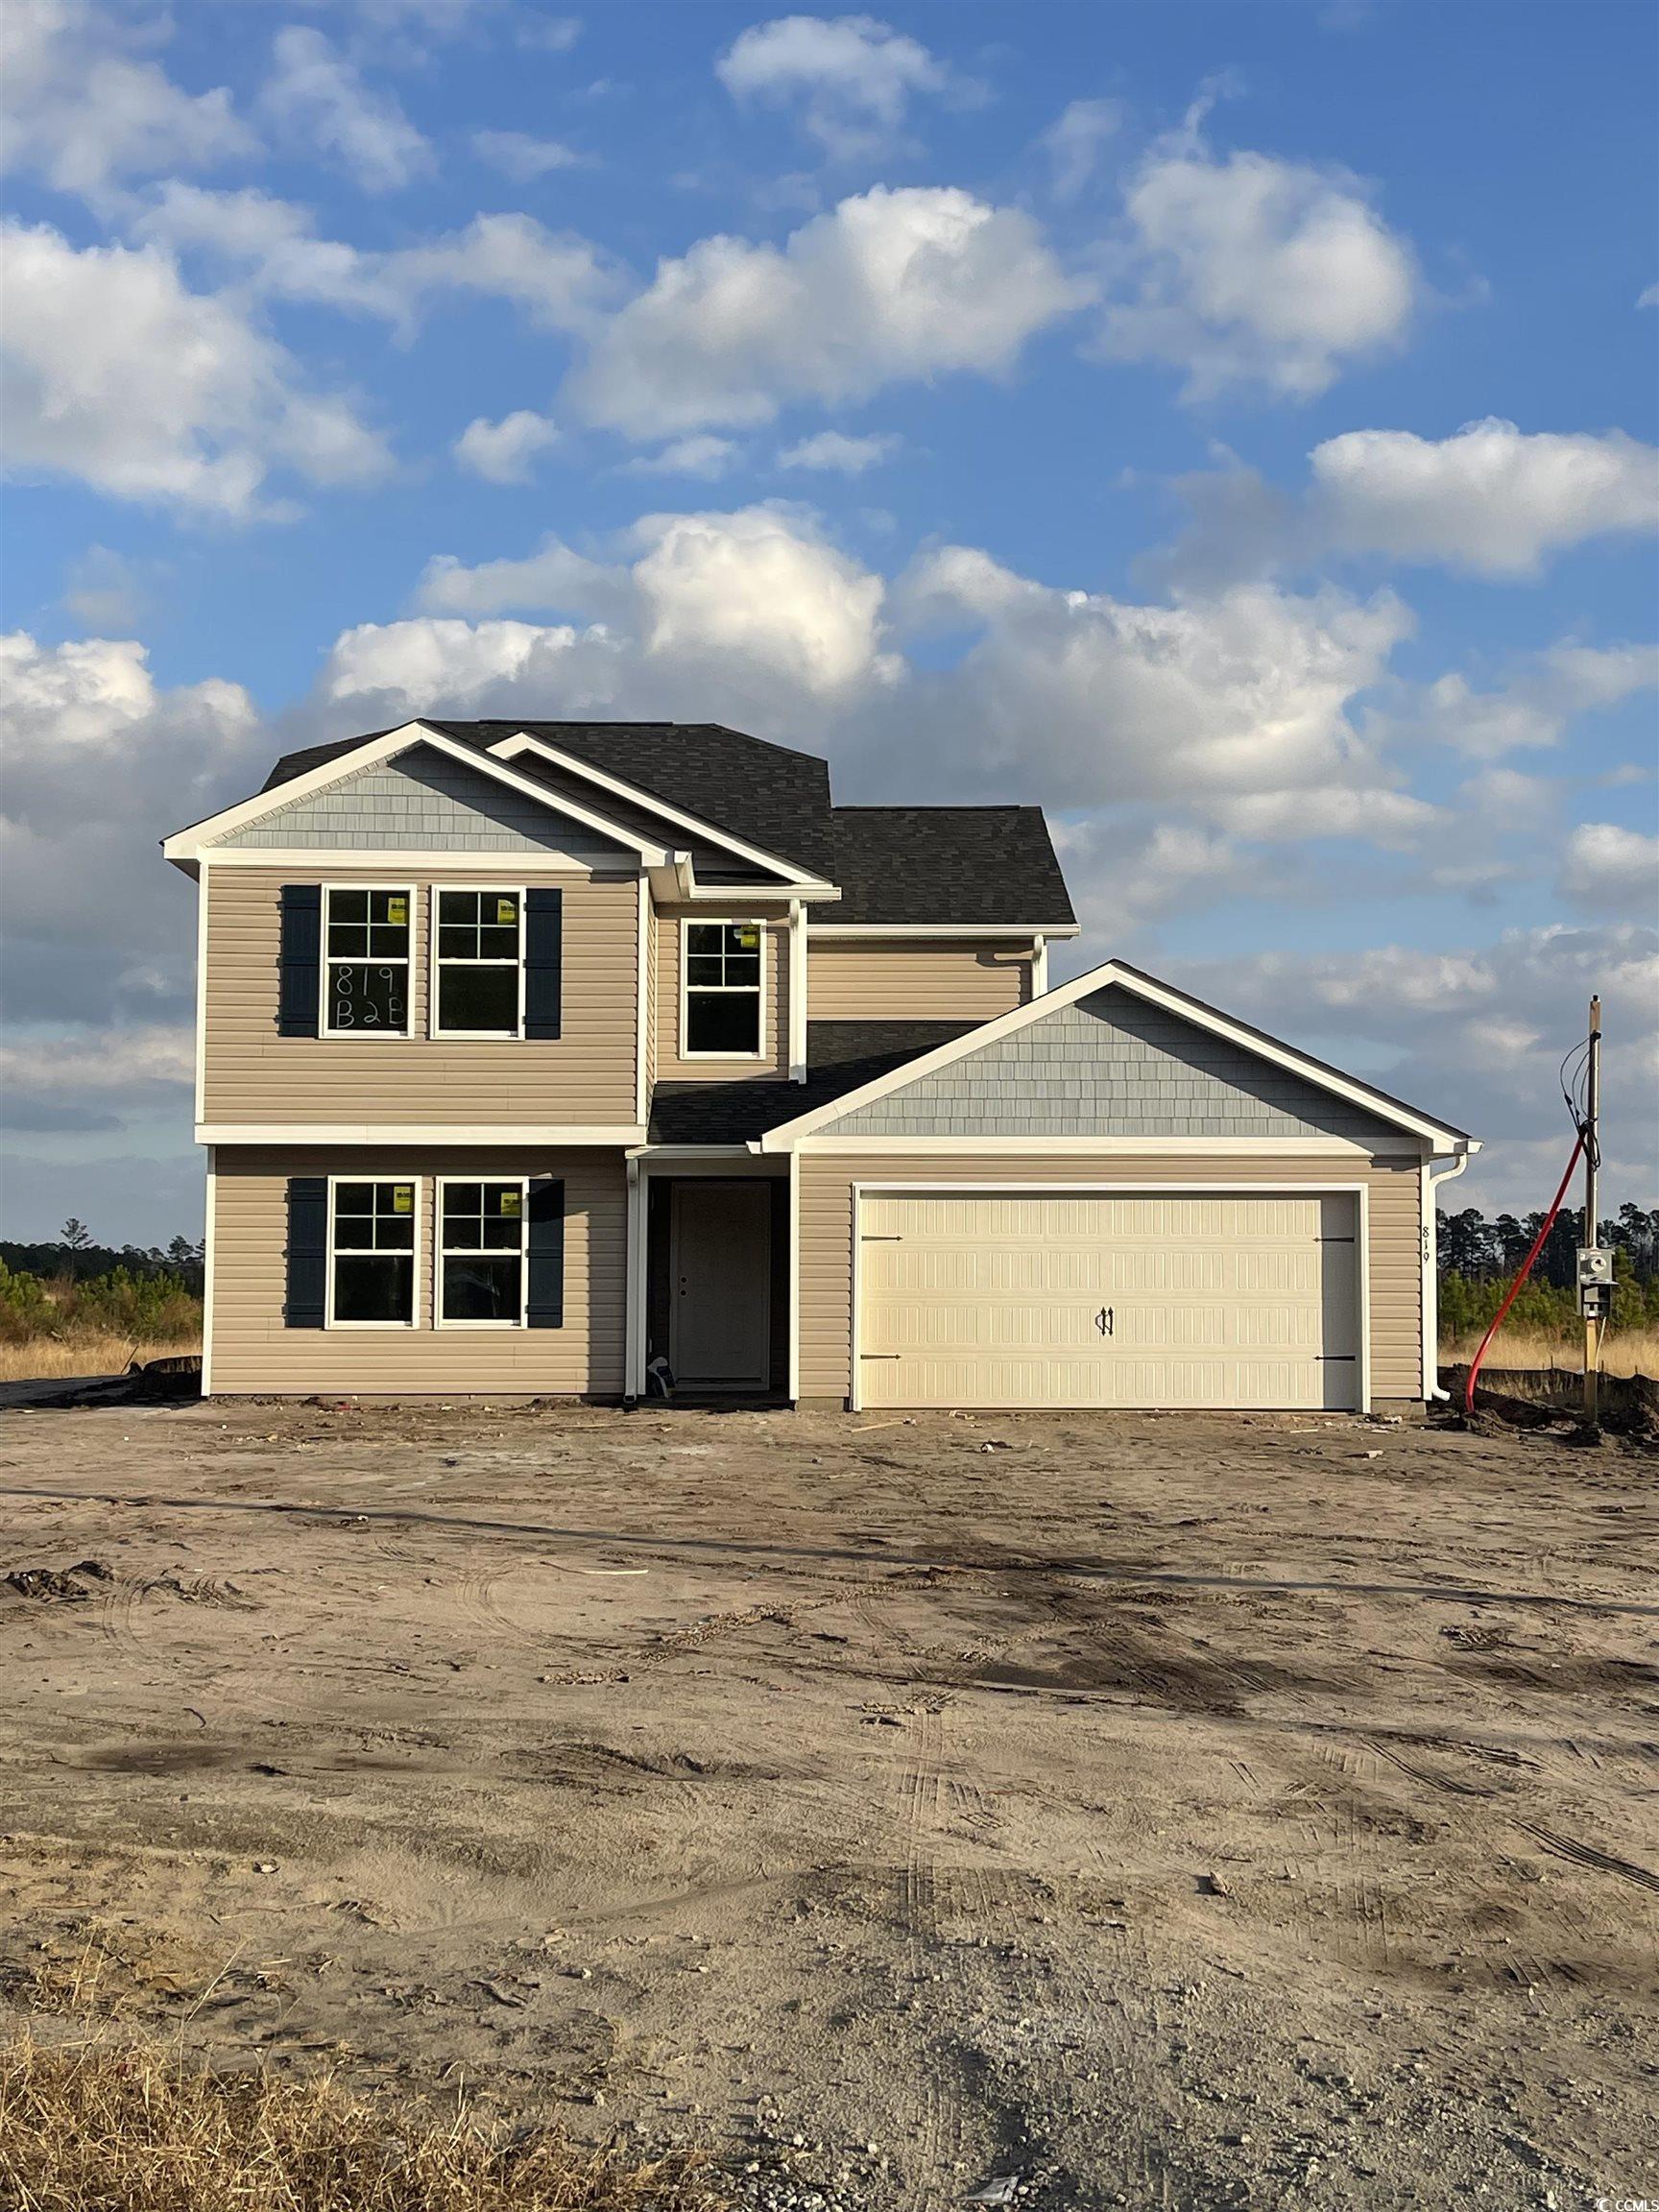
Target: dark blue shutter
<point>299,990</point>
<point>307,1252</point>
<point>544,960</point>
<point>544,1308</point>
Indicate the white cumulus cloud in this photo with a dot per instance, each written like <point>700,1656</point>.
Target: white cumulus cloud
<point>101,761</point>
<point>83,109</point>
<point>891,285</point>
<point>835,452</point>
<point>318,97</point>
<point>849,78</point>
<point>114,372</point>
<point>1253,271</point>
<point>522,158</point>
<point>503,452</point>
<point>1532,711</point>
<point>1611,868</point>
<point>702,454</point>
<point>1491,497</point>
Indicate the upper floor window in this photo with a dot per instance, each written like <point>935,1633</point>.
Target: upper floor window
<point>722,963</point>
<point>478,973</point>
<point>365,967</point>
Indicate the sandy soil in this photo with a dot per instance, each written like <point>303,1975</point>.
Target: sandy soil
<point>1175,1812</point>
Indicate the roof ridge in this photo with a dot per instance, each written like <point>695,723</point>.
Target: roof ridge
<point>936,807</point>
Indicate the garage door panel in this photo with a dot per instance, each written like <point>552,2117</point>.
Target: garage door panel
<point>1209,1299</point>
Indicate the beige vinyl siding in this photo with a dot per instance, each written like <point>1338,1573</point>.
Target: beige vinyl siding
<point>774,1061</point>
<point>915,978</point>
<point>253,1350</point>
<point>582,1078</point>
<point>1394,1249</point>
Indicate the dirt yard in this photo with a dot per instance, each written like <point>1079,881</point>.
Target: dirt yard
<point>1181,1813</point>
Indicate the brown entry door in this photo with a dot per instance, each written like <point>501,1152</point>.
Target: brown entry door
<point>721,1286</point>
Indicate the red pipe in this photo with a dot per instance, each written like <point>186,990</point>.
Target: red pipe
<point>1514,1291</point>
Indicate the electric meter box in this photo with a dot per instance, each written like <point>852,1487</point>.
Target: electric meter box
<point>1594,1264</point>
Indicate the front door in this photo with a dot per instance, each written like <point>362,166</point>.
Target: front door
<point>721,1318</point>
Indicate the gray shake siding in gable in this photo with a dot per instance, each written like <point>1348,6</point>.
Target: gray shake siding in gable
<point>422,801</point>
<point>1112,1066</point>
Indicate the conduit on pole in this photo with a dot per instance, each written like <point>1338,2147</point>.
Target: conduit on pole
<point>1525,1269</point>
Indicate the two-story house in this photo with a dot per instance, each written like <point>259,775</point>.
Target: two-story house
<point>543,1057</point>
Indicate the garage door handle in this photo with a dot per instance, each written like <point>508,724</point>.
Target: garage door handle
<point>1103,1320</point>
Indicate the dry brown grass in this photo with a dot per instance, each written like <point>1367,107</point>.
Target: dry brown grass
<point>1625,1352</point>
<point>122,2126</point>
<point>82,1351</point>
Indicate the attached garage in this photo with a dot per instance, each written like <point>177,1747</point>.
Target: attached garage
<point>1115,1196</point>
<point>1187,1298</point>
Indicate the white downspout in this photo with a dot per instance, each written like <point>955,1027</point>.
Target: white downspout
<point>1039,965</point>
<point>633,1278</point>
<point>797,991</point>
<point>1431,1184</point>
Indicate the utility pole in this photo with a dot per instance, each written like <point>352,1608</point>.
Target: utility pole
<point>1593,1326</point>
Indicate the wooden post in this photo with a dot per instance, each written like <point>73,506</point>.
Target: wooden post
<point>1592,1109</point>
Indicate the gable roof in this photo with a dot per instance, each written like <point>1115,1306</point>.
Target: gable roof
<point>327,764</point>
<point>901,867</point>
<point>784,1134</point>
<point>912,865</point>
<point>764,793</point>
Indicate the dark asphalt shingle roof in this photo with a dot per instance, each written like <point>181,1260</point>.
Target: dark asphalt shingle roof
<point>897,864</point>
<point>840,1055</point>
<point>765,794</point>
<point>921,864</point>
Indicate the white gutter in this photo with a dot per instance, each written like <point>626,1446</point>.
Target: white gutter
<point>1431,1184</point>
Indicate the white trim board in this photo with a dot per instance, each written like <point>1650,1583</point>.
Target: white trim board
<point>523,741</point>
<point>1031,930</point>
<point>212,1201</point>
<point>188,844</point>
<point>1098,1147</point>
<point>553,865</point>
<point>1112,972</point>
<point>474,1136</point>
<point>1359,1192</point>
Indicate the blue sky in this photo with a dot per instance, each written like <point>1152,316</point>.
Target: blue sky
<point>1232,427</point>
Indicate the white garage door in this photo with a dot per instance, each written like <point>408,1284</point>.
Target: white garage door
<point>1162,1298</point>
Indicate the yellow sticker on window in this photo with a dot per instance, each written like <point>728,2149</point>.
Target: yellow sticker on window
<point>512,1205</point>
<point>397,912</point>
<point>506,911</point>
<point>402,1197</point>
<point>748,940</point>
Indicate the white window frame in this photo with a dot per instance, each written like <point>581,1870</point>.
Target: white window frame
<point>337,1035</point>
<point>690,922</point>
<point>441,1251</point>
<point>472,1036</point>
<point>414,1320</point>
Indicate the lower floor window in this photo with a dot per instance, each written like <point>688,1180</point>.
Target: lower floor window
<point>371,1253</point>
<point>481,1252</point>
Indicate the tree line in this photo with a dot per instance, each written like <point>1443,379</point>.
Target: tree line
<point>1478,1256</point>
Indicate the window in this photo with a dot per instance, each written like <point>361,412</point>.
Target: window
<point>479,964</point>
<point>372,1254</point>
<point>481,1242</point>
<point>366,973</point>
<point>721,1014</point>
